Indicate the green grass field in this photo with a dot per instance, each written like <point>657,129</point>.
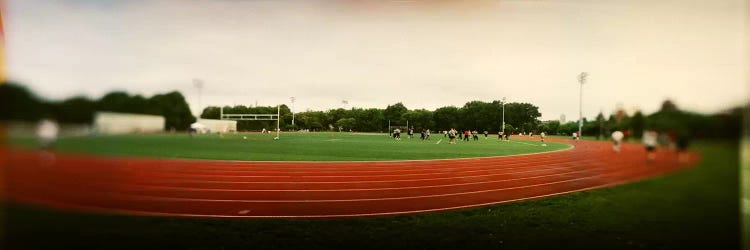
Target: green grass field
<point>697,208</point>
<point>294,147</point>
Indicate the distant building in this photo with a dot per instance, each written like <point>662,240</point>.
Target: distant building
<point>562,118</point>
<point>124,123</point>
<point>217,126</point>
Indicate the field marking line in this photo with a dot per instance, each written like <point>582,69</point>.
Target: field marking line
<point>526,143</point>
<point>172,188</point>
<point>469,173</point>
<point>439,141</point>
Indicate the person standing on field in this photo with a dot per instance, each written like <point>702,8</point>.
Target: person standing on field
<point>650,140</point>
<point>452,136</point>
<point>47,133</point>
<point>617,139</point>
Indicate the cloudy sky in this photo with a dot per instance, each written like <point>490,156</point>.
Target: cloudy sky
<point>426,54</point>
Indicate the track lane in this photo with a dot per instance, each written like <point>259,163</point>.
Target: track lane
<point>125,186</point>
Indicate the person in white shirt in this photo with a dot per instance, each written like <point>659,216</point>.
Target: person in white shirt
<point>47,133</point>
<point>649,139</point>
<point>452,136</point>
<point>617,138</point>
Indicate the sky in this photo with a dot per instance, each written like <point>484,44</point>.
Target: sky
<point>425,54</point>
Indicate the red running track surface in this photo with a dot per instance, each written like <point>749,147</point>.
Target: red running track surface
<point>206,188</point>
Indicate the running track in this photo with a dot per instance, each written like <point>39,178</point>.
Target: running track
<point>315,189</point>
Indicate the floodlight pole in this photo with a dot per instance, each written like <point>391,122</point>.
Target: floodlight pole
<point>292,99</point>
<point>278,120</point>
<point>198,83</point>
<point>503,129</point>
<point>582,80</point>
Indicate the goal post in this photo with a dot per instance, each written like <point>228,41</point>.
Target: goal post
<point>255,117</point>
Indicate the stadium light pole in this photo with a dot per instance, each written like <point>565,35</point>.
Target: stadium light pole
<point>503,129</point>
<point>292,99</point>
<point>582,80</point>
<point>198,83</point>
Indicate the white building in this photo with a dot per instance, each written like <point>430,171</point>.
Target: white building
<point>123,123</point>
<point>218,126</point>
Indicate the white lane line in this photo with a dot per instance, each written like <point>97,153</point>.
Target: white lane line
<point>562,166</point>
<point>526,143</point>
<point>171,188</point>
<point>439,141</point>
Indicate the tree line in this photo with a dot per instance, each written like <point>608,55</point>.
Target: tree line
<point>20,104</point>
<point>669,118</point>
<point>478,115</point>
<point>474,115</point>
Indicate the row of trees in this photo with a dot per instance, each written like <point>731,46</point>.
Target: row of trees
<point>669,118</point>
<point>18,103</point>
<point>473,115</point>
<point>519,117</point>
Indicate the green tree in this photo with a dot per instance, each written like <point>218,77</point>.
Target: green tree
<point>419,119</point>
<point>446,118</point>
<point>637,124</point>
<point>369,119</point>
<point>175,110</point>
<point>18,103</point>
<point>482,115</point>
<point>599,125</point>
<point>75,110</point>
<point>346,123</point>
<point>394,112</point>
<point>211,112</point>
<point>522,115</point>
<point>550,127</point>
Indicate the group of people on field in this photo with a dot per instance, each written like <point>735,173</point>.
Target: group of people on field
<point>425,134</point>
<point>652,139</point>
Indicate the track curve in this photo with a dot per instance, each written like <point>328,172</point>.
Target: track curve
<point>316,189</point>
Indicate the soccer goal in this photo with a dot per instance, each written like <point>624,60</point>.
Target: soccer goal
<point>255,117</point>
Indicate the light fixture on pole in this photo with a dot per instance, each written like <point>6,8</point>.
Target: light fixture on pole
<point>582,80</point>
<point>198,83</point>
<point>292,99</point>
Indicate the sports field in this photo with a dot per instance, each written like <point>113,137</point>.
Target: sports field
<point>296,146</point>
